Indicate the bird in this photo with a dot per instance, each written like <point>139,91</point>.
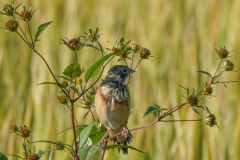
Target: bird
<point>112,104</point>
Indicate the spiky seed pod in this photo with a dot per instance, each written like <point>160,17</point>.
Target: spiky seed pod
<point>210,120</point>
<point>222,52</point>
<point>145,53</point>
<point>208,90</point>
<point>73,44</point>
<point>33,156</point>
<point>26,15</point>
<point>25,132</point>
<point>12,25</point>
<point>192,100</point>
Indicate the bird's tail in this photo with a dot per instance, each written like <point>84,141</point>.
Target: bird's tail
<point>123,140</point>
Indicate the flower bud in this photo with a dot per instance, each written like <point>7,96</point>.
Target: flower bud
<point>74,44</point>
<point>145,53</point>
<point>8,9</point>
<point>79,80</point>
<point>135,47</point>
<point>228,65</point>
<point>210,120</point>
<point>123,53</point>
<point>222,52</point>
<point>208,90</point>
<point>26,15</point>
<point>12,25</point>
<point>192,100</point>
<point>33,156</point>
<point>14,128</point>
<point>63,99</point>
<point>25,132</point>
<point>64,83</point>
<point>114,49</point>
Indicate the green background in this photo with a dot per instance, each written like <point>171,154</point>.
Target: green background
<point>181,35</point>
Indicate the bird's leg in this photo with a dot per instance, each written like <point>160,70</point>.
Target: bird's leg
<point>125,132</point>
<point>105,136</point>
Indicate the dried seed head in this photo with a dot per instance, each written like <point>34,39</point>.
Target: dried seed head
<point>12,25</point>
<point>210,120</point>
<point>145,53</point>
<point>222,52</point>
<point>74,44</point>
<point>59,145</point>
<point>14,128</point>
<point>228,65</point>
<point>63,99</point>
<point>26,15</point>
<point>192,100</point>
<point>33,156</point>
<point>25,132</point>
<point>208,90</point>
<point>7,9</point>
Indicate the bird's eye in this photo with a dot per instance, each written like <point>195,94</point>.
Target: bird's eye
<point>124,70</point>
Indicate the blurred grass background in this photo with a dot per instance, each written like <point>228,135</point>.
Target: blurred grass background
<point>181,35</point>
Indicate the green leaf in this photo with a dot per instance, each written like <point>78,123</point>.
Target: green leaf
<point>94,69</point>
<point>121,146</point>
<point>97,136</point>
<point>85,134</point>
<point>101,48</point>
<point>132,110</point>
<point>195,110</point>
<point>153,109</point>
<point>81,126</point>
<point>87,152</point>
<point>204,72</point>
<point>54,83</point>
<point>73,71</point>
<point>40,30</point>
<point>3,157</point>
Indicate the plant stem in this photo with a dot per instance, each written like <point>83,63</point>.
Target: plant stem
<point>74,131</point>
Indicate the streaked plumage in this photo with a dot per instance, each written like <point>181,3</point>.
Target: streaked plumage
<point>112,103</point>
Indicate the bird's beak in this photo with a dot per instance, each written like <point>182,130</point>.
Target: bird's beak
<point>131,71</point>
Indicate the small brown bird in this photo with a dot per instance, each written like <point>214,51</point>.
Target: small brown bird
<point>112,103</point>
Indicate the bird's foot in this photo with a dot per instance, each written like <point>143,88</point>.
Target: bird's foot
<point>125,132</point>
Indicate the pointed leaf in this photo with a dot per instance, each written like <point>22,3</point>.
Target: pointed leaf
<point>81,126</point>
<point>84,134</point>
<point>204,72</point>
<point>3,157</point>
<point>73,71</point>
<point>87,152</point>
<point>195,110</point>
<point>121,146</point>
<point>94,69</point>
<point>101,48</point>
<point>40,30</point>
<point>54,83</point>
<point>132,110</point>
<point>152,109</point>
